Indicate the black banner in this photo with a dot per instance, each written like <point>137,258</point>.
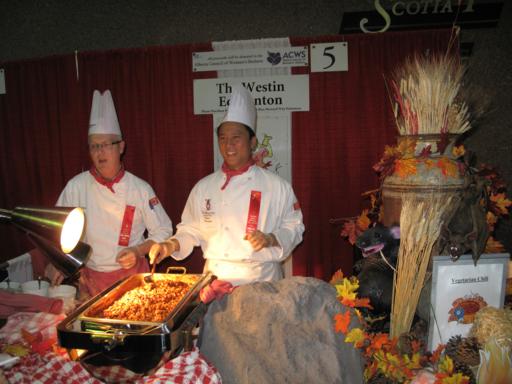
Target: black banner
<point>422,14</point>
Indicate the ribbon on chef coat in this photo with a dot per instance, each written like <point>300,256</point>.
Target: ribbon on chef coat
<point>254,212</point>
<point>126,226</point>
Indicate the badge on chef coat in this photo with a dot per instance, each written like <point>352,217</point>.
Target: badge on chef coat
<point>153,202</point>
<point>206,211</point>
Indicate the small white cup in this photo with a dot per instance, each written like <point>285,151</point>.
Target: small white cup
<point>35,287</point>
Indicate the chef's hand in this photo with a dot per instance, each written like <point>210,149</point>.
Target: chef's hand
<point>260,240</point>
<point>127,257</point>
<point>53,274</point>
<point>160,251</point>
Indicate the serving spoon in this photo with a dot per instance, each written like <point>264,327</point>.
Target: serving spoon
<point>149,278</point>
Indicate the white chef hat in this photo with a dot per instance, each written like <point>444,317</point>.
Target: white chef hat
<point>103,119</point>
<point>241,108</point>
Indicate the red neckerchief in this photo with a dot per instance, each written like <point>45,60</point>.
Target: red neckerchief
<point>234,172</point>
<point>107,183</point>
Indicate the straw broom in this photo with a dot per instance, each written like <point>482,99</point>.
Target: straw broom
<point>420,225</point>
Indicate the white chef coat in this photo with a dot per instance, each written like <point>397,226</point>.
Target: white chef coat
<point>104,213</point>
<point>216,220</point>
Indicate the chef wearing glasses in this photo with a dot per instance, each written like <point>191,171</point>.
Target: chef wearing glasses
<point>119,207</point>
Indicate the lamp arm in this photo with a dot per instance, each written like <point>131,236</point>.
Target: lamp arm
<point>5,215</point>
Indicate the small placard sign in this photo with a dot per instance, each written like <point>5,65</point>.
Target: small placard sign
<point>460,289</point>
<point>329,57</point>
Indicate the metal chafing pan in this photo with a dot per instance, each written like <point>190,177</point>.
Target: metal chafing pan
<point>92,314</point>
<point>136,345</point>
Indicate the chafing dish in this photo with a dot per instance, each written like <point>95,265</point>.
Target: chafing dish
<point>137,347</point>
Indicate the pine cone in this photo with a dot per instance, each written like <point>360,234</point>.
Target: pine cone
<point>464,350</point>
<point>452,345</point>
<point>470,351</point>
<point>465,370</point>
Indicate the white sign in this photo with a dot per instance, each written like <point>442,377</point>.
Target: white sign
<point>460,289</point>
<point>250,58</point>
<point>271,94</point>
<point>2,81</point>
<point>329,57</point>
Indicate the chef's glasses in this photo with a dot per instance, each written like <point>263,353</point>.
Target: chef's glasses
<point>105,146</point>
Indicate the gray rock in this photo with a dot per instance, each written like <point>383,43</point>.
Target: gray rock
<point>279,332</point>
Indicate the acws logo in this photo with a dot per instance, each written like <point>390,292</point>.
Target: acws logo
<point>290,55</point>
<point>274,58</point>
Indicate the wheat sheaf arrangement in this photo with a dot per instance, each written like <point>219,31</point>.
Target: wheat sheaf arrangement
<point>420,224</point>
<point>426,96</point>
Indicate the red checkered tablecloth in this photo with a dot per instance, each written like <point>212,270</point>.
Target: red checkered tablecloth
<point>53,367</point>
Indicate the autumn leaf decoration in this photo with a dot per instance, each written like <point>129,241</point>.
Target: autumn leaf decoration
<point>402,161</point>
<point>406,167</point>
<point>500,204</point>
<point>446,373</point>
<point>493,246</point>
<point>353,227</point>
<point>458,151</point>
<point>448,167</point>
<point>382,354</point>
<point>387,164</point>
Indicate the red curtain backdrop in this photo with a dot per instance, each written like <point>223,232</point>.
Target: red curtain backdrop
<point>44,121</point>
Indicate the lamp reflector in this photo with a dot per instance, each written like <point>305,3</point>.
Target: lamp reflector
<point>72,230</point>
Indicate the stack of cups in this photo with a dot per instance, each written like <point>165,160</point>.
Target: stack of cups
<point>10,286</point>
<point>67,293</point>
<point>35,287</point>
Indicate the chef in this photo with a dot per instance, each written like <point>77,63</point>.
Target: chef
<point>246,219</point>
<point>119,207</point>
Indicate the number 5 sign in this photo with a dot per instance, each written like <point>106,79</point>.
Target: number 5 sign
<point>329,57</point>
